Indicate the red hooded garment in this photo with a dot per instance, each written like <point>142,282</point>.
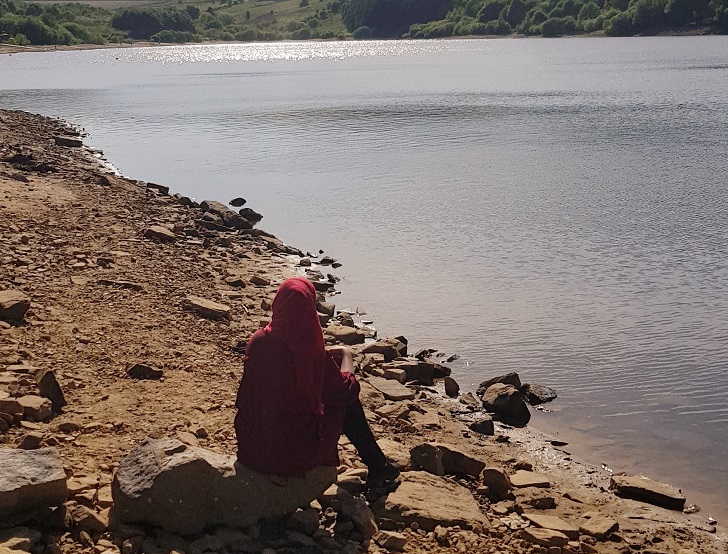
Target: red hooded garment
<point>293,398</point>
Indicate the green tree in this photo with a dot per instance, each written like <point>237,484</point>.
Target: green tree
<point>516,12</point>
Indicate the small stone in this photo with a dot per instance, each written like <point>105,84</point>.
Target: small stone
<point>544,537</point>
<point>49,387</point>
<point>143,371</point>
<point>391,540</point>
<point>207,308</point>
<point>442,535</point>
<point>69,427</point>
<point>31,441</point>
<point>537,394</point>
<point>160,233</point>
<point>237,202</point>
<point>35,407</point>
<point>259,281</point>
<point>188,438</point>
<point>553,523</point>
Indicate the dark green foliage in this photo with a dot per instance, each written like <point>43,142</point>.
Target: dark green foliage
<point>168,35</point>
<point>192,11</point>
<point>619,26</point>
<point>516,12</point>
<point>362,33</point>
<point>685,12</point>
<point>648,16</point>
<point>491,10</point>
<point>392,17</point>
<point>138,23</point>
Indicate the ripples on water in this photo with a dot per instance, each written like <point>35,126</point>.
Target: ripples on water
<point>556,208</point>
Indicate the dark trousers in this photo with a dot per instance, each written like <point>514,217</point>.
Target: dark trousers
<point>357,430</point>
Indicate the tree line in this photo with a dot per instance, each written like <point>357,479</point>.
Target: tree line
<point>549,18</point>
<point>24,23</point>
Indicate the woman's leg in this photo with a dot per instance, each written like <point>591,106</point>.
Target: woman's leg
<point>357,430</point>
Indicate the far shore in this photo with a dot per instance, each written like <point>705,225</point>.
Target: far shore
<point>14,49</point>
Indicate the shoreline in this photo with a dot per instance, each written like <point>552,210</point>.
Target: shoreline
<point>103,285</point>
<point>9,49</point>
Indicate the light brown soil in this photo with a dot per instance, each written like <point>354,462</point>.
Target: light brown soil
<point>73,226</point>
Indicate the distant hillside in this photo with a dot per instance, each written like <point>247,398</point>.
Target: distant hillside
<point>115,21</point>
<point>548,18</point>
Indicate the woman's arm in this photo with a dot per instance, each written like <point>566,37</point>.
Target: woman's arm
<point>343,357</point>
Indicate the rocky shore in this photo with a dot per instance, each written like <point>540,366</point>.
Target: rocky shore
<point>124,312</point>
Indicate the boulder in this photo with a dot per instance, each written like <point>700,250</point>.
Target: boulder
<point>537,394</point>
<point>396,375</point>
<point>497,482</point>
<point>507,379</point>
<point>646,490</point>
<point>438,458</point>
<point>358,512</point>
<point>251,215</point>
<point>397,453</point>
<point>430,501</point>
<point>483,425</point>
<point>345,335</point>
<point>70,142</point>
<point>162,189</point>
<point>49,387</point>
<point>237,202</point>
<point>207,308</point>
<point>390,348</point>
<point>452,389</point>
<point>30,480</point>
<point>13,305</point>
<point>506,402</point>
<point>183,489</point>
<point>392,390</point>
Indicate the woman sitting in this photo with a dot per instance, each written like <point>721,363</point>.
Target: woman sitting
<point>296,398</point>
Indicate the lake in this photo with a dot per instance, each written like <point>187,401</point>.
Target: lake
<point>552,207</point>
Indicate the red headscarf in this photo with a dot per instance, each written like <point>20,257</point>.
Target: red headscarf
<point>295,321</point>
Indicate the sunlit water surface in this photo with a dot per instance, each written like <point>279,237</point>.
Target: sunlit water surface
<point>552,207</point>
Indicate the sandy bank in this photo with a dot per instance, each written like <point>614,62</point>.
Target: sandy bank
<point>106,294</point>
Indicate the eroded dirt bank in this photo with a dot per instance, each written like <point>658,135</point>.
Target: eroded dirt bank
<point>114,269</point>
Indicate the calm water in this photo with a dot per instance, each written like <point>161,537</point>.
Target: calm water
<point>552,207</point>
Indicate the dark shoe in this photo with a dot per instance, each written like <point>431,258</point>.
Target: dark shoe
<point>388,473</point>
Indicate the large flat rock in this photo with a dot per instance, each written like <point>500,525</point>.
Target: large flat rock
<point>183,489</point>
<point>646,490</point>
<point>554,523</point>
<point>30,480</point>
<point>392,390</point>
<point>431,501</point>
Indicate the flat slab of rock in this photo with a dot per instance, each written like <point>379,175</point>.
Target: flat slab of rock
<point>346,335</point>
<point>598,526</point>
<point>35,408</point>
<point>544,537</point>
<point>396,452</point>
<point>13,305</point>
<point>439,459</point>
<point>554,523</point>
<point>160,233</point>
<point>649,491</point>
<point>30,480</point>
<point>431,501</point>
<point>207,308</point>
<point>522,478</point>
<point>183,489</point>
<point>392,390</point>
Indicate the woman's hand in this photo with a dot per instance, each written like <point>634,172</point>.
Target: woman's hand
<point>342,356</point>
